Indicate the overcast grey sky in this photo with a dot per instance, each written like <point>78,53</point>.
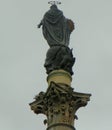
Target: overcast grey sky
<point>22,54</point>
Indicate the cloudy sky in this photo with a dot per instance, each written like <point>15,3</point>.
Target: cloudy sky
<point>22,55</point>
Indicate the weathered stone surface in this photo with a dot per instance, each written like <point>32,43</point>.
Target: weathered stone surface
<point>59,103</point>
<point>59,77</point>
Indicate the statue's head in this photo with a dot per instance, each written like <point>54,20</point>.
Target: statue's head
<point>54,6</point>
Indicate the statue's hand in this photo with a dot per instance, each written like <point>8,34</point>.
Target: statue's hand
<point>39,25</point>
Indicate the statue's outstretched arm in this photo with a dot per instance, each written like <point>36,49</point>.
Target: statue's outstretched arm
<point>40,24</point>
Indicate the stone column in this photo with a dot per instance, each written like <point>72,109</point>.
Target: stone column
<point>59,103</point>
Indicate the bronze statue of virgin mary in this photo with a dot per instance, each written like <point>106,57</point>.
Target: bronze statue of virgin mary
<point>56,30</point>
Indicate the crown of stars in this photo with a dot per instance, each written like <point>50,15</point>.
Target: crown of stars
<point>55,2</point>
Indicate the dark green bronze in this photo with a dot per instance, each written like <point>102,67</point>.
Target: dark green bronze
<point>59,57</point>
<point>56,30</point>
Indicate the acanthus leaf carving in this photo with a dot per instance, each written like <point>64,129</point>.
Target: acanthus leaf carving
<point>61,101</point>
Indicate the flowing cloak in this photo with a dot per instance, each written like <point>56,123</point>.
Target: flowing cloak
<point>56,29</point>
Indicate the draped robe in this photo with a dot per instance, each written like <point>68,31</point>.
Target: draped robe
<point>56,28</point>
